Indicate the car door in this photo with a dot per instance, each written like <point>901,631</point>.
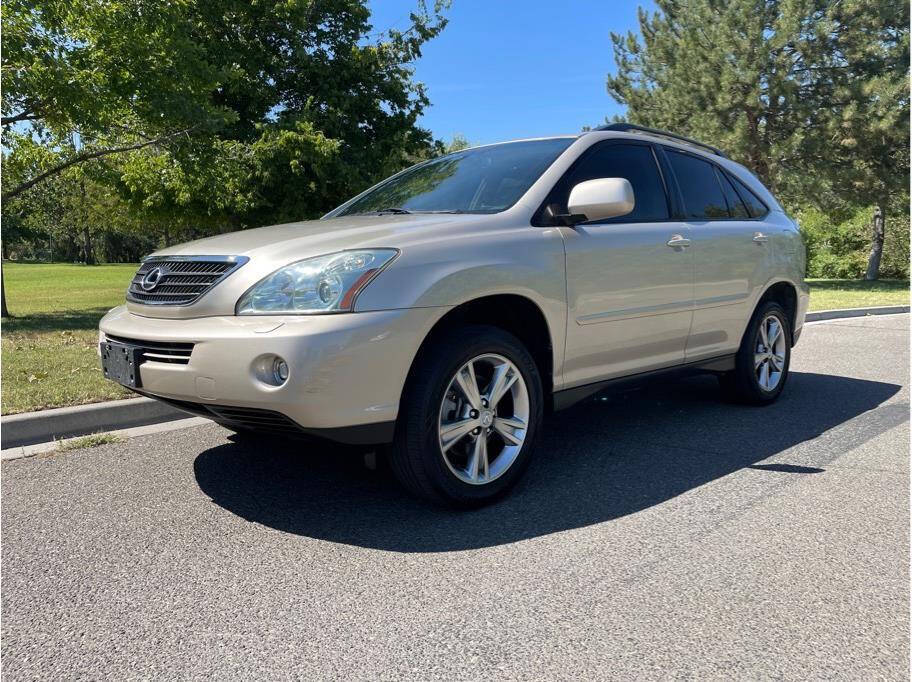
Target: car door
<point>730,252</point>
<point>629,279</point>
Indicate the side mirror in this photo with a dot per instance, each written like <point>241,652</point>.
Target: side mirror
<point>601,199</point>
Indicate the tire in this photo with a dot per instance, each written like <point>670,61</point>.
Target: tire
<point>429,457</point>
<point>748,383</point>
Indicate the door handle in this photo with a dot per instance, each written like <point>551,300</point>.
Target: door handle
<point>760,238</point>
<point>678,240</point>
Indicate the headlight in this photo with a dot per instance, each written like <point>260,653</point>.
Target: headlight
<point>325,284</point>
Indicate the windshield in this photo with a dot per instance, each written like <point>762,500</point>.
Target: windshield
<point>483,180</point>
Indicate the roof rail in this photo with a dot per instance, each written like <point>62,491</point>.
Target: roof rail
<point>633,128</point>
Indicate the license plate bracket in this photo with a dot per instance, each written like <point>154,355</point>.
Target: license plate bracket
<point>120,362</point>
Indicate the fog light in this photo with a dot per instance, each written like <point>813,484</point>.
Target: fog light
<point>280,370</point>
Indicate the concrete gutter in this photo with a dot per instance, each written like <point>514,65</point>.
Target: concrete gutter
<point>29,428</point>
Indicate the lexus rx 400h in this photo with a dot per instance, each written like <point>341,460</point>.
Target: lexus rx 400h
<point>443,311</point>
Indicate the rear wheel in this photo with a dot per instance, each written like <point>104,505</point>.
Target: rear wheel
<point>469,418</point>
<point>762,362</point>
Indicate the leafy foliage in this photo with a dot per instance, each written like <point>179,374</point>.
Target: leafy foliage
<point>457,144</point>
<point>839,249</point>
<point>810,95</point>
<point>229,111</point>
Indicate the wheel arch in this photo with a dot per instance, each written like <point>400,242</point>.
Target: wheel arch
<point>784,293</point>
<point>514,313</point>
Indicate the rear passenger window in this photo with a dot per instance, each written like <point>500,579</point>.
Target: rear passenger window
<point>736,207</point>
<point>756,207</point>
<point>703,198</point>
<point>638,165</point>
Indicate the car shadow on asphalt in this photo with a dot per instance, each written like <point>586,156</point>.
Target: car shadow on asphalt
<point>601,460</point>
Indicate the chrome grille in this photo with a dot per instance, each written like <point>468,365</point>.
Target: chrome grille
<point>179,280</point>
<point>175,353</point>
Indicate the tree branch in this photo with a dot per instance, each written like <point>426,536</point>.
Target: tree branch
<point>86,156</point>
<point>15,118</point>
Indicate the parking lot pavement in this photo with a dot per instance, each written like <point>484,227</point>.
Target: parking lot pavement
<point>659,533</point>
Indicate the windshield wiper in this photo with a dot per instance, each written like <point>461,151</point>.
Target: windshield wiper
<point>395,209</point>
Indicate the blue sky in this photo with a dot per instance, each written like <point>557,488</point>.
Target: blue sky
<point>504,69</point>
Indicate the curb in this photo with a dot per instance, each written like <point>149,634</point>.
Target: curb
<point>30,428</point>
<point>819,315</point>
<point>42,448</point>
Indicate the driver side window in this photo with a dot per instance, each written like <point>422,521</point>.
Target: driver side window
<point>636,163</point>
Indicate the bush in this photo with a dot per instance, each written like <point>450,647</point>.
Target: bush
<point>830,266</point>
<point>895,262</point>
<point>840,250</point>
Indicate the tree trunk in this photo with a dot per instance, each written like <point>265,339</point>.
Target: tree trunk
<point>89,254</point>
<point>4,312</point>
<point>877,242</point>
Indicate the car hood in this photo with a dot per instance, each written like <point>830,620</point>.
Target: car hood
<point>293,241</point>
<point>266,249</point>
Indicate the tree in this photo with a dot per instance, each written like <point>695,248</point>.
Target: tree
<point>860,140</point>
<point>811,95</point>
<point>457,144</point>
<point>115,76</point>
<point>247,110</point>
<point>3,310</point>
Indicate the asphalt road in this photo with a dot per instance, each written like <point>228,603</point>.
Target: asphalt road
<point>661,533</point>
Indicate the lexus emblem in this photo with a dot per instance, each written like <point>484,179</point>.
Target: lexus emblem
<point>151,279</point>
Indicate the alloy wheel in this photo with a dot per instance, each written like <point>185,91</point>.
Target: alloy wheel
<point>769,353</point>
<point>483,419</point>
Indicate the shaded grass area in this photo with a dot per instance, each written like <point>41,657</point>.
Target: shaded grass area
<point>49,344</point>
<point>829,294</point>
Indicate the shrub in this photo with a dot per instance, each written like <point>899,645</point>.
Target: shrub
<point>895,262</point>
<point>840,250</point>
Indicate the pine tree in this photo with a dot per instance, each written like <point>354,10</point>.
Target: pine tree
<point>811,95</point>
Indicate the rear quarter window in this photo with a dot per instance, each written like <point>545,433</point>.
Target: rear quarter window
<point>736,207</point>
<point>755,207</point>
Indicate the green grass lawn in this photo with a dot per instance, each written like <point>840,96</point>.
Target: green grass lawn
<point>49,345</point>
<point>829,294</point>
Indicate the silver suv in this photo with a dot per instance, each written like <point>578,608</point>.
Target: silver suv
<point>444,310</point>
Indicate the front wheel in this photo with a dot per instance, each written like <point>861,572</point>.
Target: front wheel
<point>469,418</point>
<point>762,362</point>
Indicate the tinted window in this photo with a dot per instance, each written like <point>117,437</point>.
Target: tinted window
<point>736,207</point>
<point>634,162</point>
<point>482,180</point>
<point>756,207</point>
<point>703,198</point>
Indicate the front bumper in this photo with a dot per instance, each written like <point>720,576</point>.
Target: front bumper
<point>345,370</point>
